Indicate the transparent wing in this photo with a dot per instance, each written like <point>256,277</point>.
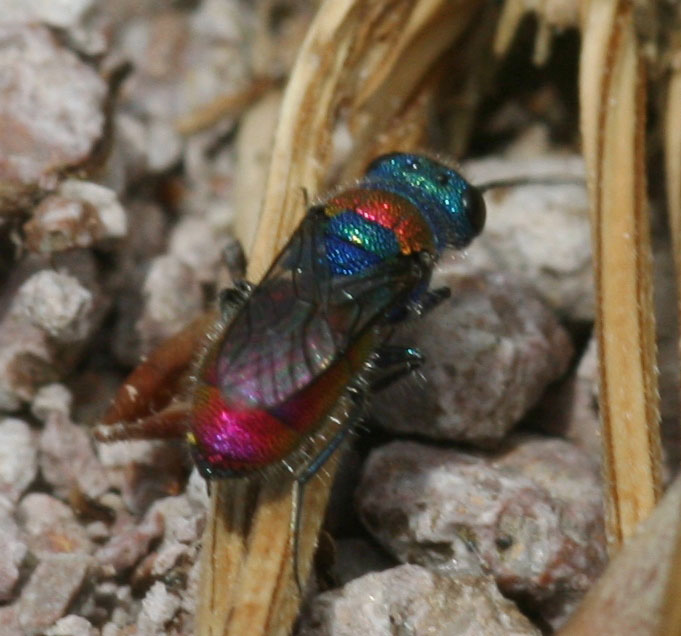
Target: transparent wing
<point>301,318</point>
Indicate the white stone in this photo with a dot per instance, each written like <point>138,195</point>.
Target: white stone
<point>57,303</point>
<point>538,232</point>
<point>158,607</point>
<point>57,13</point>
<point>72,625</point>
<point>196,244</point>
<point>51,398</point>
<point>18,457</point>
<point>104,200</point>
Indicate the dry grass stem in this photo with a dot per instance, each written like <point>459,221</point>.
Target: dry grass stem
<point>253,152</point>
<point>671,611</point>
<point>230,105</point>
<point>512,13</point>
<point>551,16</point>
<point>246,585</point>
<point>673,165</point>
<point>366,61</point>
<point>612,86</point>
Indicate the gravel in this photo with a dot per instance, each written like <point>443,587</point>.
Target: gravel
<point>112,237</point>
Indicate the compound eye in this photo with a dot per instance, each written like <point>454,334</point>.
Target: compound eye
<point>475,208</point>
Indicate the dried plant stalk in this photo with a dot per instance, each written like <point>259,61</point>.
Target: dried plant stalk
<point>367,59</point>
<point>246,582</point>
<point>632,597</point>
<point>555,15</point>
<point>671,611</point>
<point>673,166</point>
<point>253,149</point>
<point>223,106</point>
<point>612,85</point>
<point>512,13</point>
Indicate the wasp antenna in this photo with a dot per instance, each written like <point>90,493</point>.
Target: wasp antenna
<point>523,181</point>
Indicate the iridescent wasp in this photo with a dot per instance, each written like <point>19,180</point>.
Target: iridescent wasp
<point>315,329</point>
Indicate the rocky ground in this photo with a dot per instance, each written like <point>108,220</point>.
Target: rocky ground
<point>472,504</point>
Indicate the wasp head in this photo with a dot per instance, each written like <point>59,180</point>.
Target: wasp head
<point>454,207</point>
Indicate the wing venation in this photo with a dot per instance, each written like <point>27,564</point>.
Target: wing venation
<point>300,319</point>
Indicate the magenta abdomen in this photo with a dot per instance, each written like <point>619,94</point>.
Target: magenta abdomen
<point>231,439</point>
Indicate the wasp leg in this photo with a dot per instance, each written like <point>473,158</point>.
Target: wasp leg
<point>311,469</point>
<point>231,299</point>
<point>392,362</point>
<point>235,260</point>
<point>428,301</point>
